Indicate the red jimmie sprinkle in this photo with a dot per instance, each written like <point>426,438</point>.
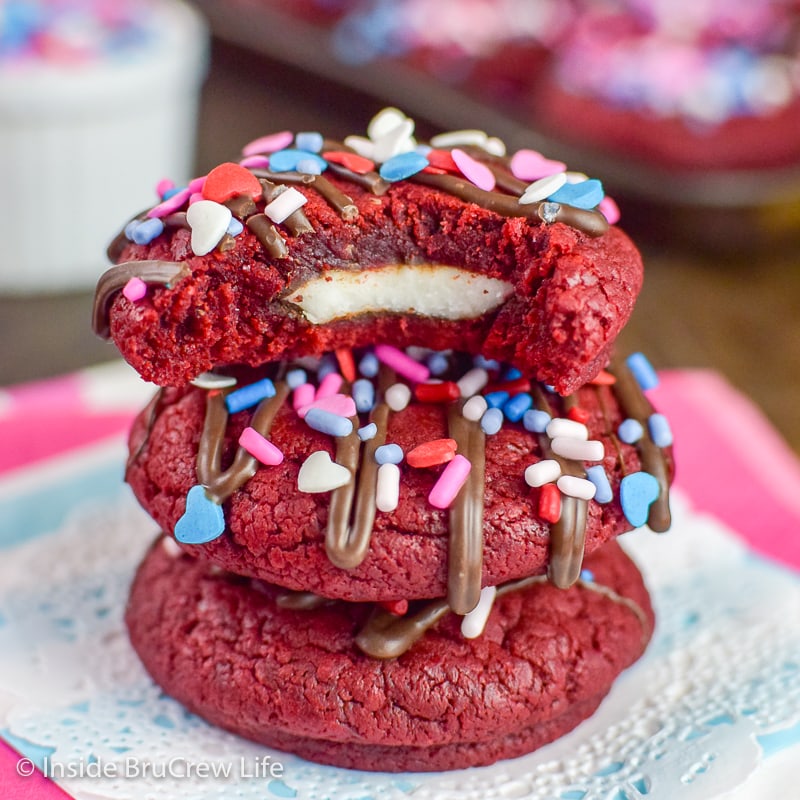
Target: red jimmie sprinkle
<point>444,392</point>
<point>347,364</point>
<point>396,607</point>
<point>603,378</point>
<point>352,161</point>
<point>550,503</point>
<point>578,414</point>
<point>517,386</point>
<point>433,453</point>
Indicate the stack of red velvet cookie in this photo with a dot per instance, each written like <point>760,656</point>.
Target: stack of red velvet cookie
<point>392,447</point>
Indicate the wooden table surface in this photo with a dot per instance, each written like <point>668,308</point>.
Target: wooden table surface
<point>736,311</point>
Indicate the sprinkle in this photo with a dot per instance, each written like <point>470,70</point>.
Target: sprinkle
<point>235,227</point>
<point>492,421</point>
<point>496,399</point>
<point>660,431</point>
<point>397,396</point>
<point>472,382</point>
<point>170,192</point>
<point>511,387</point>
<point>213,381</point>
<point>578,449</point>
<point>473,170</point>
<point>530,165</point>
<point>230,180</point>
<point>441,160</point>
<point>352,161</point>
<point>288,159</point>
<point>173,203</point>
<point>401,363</point>
<point>397,607</point>
<point>327,422</point>
<point>147,230</point>
<point>319,474</point>
<point>630,430</point>
<point>368,432</point>
<point>566,427</point>
<point>512,374</point>
<point>388,119</point>
<point>574,486</point>
<point>364,395</point>
<point>308,166</point>
<point>296,377</point>
<point>326,365</point>
<point>135,289</point>
<point>536,420</point>
<point>437,392</point>
<point>389,454</point>
<point>474,408</point>
<point>309,140</point>
<point>603,378</point>
<point>636,492</point>
<point>269,143</point>
<point>490,364</point>
<point>248,396</point>
<point>196,185</point>
<point>578,414</point>
<point>329,385</point>
<point>303,396</point>
<point>195,197</point>
<point>347,365</point>
<point>432,453</point>
<point>387,487</point>
<point>474,623</point>
<point>255,162</point>
<point>202,521</point>
<point>463,137</point>
<point>642,370</point>
<point>209,221</point>
<point>285,204</point>
<point>550,503</point>
<point>163,186</point>
<point>597,475</point>
<point>171,547</point>
<point>437,363</point>
<point>449,484</point>
<point>340,404</point>
<point>543,188</point>
<point>545,471</point>
<point>260,448</point>
<point>587,576</point>
<point>610,210</point>
<point>368,365</point>
<point>585,194</point>
<point>402,166</point>
<point>516,407</point>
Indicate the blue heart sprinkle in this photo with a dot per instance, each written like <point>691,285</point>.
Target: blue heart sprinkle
<point>287,160</point>
<point>636,493</point>
<point>203,521</point>
<point>402,166</point>
<point>586,194</point>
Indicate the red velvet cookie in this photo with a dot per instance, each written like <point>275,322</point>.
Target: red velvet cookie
<point>460,247</point>
<point>231,651</point>
<point>393,489</point>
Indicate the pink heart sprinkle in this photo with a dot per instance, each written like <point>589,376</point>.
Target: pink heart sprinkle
<point>340,404</point>
<point>473,170</point>
<point>530,165</point>
<point>268,144</point>
<point>170,204</point>
<point>255,162</point>
<point>196,184</point>
<point>610,210</point>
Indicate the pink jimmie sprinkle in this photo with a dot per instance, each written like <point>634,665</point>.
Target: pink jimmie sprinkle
<point>329,385</point>
<point>303,396</point>
<point>473,170</point>
<point>610,210</point>
<point>163,186</point>
<point>401,363</point>
<point>171,204</point>
<point>341,404</point>
<point>453,477</point>
<point>135,289</point>
<point>260,448</point>
<point>268,144</point>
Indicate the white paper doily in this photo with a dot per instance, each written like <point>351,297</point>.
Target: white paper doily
<point>715,700</point>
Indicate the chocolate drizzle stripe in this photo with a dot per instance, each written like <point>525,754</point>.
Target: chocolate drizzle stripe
<point>268,235</point>
<point>113,280</point>
<point>301,601</point>
<point>336,198</point>
<point>465,549</point>
<point>150,412</point>
<point>371,181</point>
<point>634,403</point>
<point>221,485</point>
<point>568,534</point>
<point>386,635</point>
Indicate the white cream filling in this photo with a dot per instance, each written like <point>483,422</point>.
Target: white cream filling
<point>424,289</point>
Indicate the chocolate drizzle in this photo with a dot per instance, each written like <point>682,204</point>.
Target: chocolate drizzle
<point>465,549</point>
<point>219,484</point>
<point>113,280</point>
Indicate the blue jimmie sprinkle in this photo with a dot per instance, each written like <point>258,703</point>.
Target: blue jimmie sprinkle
<point>517,406</point>
<point>660,431</point>
<point>310,141</point>
<point>363,395</point>
<point>328,422</point>
<point>295,378</point>
<point>437,363</point>
<point>309,166</point>
<point>368,432</point>
<point>369,365</point>
<point>535,420</point>
<point>587,575</point>
<point>389,454</point>
<point>642,370</point>
<point>597,475</point>
<point>630,430</point>
<point>147,230</point>
<point>248,396</point>
<point>496,399</point>
<point>492,421</point>
<point>234,227</point>
<point>327,364</point>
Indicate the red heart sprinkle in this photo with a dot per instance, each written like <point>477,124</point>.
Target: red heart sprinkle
<point>228,180</point>
<point>352,161</point>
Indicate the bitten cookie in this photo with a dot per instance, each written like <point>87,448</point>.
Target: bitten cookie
<point>230,650</point>
<point>388,488</point>
<point>307,245</point>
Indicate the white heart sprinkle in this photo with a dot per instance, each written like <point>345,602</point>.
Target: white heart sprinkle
<point>319,474</point>
<point>387,119</point>
<point>209,221</point>
<point>543,188</point>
